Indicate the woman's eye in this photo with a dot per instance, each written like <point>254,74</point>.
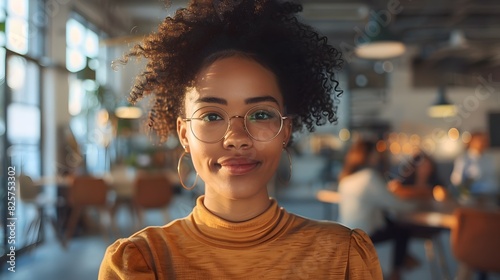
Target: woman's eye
<point>211,117</point>
<point>262,115</point>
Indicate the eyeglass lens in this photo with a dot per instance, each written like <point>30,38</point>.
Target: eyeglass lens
<point>210,124</point>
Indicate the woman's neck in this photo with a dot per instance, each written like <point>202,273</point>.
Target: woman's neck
<point>239,209</point>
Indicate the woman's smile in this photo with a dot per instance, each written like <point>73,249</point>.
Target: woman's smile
<point>237,165</point>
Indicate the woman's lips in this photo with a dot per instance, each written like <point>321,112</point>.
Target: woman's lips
<point>238,166</point>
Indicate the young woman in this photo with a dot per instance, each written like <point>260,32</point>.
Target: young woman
<point>235,79</point>
<point>366,200</point>
<point>420,179</point>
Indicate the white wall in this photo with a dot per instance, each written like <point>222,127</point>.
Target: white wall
<point>407,106</point>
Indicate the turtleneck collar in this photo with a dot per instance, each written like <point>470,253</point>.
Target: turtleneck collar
<point>215,231</point>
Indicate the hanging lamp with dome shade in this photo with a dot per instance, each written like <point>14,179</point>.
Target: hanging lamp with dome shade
<point>378,42</point>
<point>442,107</point>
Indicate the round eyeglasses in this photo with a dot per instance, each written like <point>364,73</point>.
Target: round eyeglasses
<point>210,124</point>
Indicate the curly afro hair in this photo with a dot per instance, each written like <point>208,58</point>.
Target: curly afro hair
<point>266,30</point>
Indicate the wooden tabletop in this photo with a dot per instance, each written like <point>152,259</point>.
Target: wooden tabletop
<point>328,196</point>
<point>431,213</point>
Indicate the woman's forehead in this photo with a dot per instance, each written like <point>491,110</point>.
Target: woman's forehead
<point>226,69</point>
<point>234,77</point>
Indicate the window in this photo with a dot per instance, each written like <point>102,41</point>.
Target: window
<point>17,26</point>
<point>82,46</point>
<point>21,45</point>
<point>85,99</point>
<point>22,26</point>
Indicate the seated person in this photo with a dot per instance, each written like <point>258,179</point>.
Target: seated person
<point>475,172</point>
<point>366,200</point>
<point>416,178</point>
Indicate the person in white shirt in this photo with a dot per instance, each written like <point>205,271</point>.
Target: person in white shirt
<point>366,201</point>
<point>475,170</point>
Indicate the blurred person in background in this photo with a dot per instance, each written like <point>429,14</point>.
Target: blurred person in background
<point>366,202</point>
<point>416,178</point>
<point>475,171</point>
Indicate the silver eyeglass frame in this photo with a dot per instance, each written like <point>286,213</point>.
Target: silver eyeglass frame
<point>282,121</point>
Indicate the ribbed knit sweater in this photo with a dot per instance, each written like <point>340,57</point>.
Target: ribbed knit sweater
<point>273,245</point>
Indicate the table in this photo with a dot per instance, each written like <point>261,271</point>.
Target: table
<point>431,213</point>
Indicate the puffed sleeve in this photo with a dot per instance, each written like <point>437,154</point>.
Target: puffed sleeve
<point>124,260</point>
<point>363,261</point>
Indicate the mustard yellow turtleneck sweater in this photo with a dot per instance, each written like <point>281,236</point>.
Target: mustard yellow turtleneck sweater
<point>273,245</point>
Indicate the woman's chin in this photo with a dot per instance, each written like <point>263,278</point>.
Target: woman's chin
<point>239,189</point>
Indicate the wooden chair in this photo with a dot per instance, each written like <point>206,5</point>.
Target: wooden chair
<point>475,241</point>
<point>29,194</point>
<point>86,192</point>
<point>152,191</point>
<point>28,191</point>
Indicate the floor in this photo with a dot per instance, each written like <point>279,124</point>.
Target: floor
<point>82,258</point>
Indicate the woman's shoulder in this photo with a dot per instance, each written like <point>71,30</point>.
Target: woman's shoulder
<point>320,228</point>
<point>135,255</point>
<point>153,234</point>
<point>150,237</point>
<point>353,247</point>
<point>333,230</point>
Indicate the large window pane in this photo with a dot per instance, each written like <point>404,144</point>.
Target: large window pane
<point>75,60</point>
<point>26,159</point>
<point>91,44</point>
<point>23,80</point>
<point>17,74</point>
<point>17,35</point>
<point>18,8</point>
<point>23,124</point>
<point>75,33</point>
<point>76,97</point>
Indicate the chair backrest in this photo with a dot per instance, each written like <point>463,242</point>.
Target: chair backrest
<point>28,191</point>
<point>87,191</point>
<point>475,240</point>
<point>152,191</point>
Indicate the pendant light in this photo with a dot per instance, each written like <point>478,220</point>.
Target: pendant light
<point>377,41</point>
<point>442,107</point>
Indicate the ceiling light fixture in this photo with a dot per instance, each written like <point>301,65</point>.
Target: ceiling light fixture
<point>377,41</point>
<point>442,108</point>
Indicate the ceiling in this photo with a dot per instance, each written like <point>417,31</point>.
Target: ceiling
<point>453,35</point>
<point>445,38</point>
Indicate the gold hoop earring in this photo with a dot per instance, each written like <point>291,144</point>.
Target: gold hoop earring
<point>289,166</point>
<point>180,176</point>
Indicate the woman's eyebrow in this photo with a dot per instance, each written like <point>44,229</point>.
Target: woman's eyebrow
<point>259,99</point>
<point>209,99</point>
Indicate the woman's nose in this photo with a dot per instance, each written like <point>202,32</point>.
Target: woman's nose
<point>237,136</point>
